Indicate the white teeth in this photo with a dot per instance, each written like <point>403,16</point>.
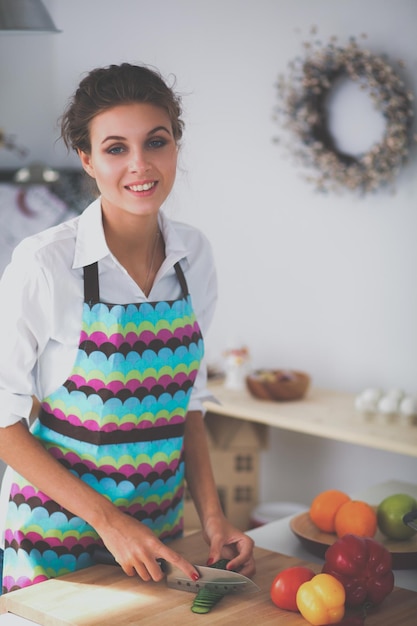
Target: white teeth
<point>144,187</point>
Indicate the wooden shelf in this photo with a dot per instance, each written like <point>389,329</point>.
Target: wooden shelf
<point>323,413</point>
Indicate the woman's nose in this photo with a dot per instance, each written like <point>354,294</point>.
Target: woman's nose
<point>139,161</point>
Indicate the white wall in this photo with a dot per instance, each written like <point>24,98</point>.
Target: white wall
<point>321,283</point>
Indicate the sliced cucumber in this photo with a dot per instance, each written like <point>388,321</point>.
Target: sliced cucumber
<point>207,598</point>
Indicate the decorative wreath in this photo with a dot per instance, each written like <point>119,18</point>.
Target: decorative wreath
<point>303,96</point>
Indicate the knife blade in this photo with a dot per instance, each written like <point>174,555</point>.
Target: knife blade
<point>217,579</point>
<point>221,580</point>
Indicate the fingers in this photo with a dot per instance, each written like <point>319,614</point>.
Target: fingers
<point>239,552</point>
<point>221,550</point>
<point>151,569</point>
<point>247,569</point>
<point>179,562</point>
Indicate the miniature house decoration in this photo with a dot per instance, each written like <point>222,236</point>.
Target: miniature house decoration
<point>235,447</point>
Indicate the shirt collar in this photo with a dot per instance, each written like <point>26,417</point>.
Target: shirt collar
<point>91,243</point>
<point>175,246</point>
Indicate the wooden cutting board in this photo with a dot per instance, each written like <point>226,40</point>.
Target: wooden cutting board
<point>104,596</point>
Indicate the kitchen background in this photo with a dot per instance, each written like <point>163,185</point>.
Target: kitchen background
<point>322,283</point>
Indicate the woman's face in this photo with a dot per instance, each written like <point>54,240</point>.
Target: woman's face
<point>133,158</point>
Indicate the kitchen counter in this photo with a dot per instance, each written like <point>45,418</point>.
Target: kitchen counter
<point>276,548</point>
<point>324,413</point>
<point>104,596</point>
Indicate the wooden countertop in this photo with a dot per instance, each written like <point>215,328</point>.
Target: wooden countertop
<point>103,596</point>
<point>323,413</point>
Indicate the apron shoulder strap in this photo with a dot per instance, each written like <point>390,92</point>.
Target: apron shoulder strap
<point>91,290</point>
<point>181,279</point>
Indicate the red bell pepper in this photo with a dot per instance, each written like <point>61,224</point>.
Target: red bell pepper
<point>363,566</point>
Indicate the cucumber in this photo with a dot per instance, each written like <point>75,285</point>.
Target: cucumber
<point>206,598</point>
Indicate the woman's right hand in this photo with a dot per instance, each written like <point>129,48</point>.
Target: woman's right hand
<point>137,549</point>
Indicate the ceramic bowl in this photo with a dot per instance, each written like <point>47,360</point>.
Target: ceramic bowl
<point>281,385</point>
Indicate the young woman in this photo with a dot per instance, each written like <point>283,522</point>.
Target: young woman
<point>104,317</point>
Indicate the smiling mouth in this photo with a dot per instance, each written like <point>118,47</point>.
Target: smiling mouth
<point>144,187</point>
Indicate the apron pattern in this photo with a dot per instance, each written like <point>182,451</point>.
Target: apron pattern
<point>118,424</point>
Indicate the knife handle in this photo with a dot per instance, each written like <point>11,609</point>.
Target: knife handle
<point>103,556</point>
<point>410,519</point>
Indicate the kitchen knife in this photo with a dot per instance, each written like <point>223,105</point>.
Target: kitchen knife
<point>410,519</point>
<point>221,580</point>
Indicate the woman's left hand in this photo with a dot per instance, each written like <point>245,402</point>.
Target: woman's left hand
<point>224,539</point>
<point>228,542</point>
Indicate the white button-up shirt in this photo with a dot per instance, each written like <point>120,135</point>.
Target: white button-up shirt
<point>42,294</point>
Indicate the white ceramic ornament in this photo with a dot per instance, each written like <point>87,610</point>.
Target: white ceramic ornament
<point>408,406</point>
<point>388,405</point>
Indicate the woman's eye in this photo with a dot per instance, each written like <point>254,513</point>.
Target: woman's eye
<point>115,150</point>
<point>157,143</point>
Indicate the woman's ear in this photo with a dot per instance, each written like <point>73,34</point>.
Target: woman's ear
<point>85,159</point>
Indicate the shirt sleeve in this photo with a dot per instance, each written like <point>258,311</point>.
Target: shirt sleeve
<point>203,288</point>
<point>24,301</point>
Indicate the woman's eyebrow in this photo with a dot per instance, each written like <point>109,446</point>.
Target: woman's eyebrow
<point>113,138</point>
<point>157,129</point>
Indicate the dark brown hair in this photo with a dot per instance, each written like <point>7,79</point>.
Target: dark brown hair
<point>104,88</point>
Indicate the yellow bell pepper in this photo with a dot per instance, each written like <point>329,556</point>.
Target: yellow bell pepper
<point>321,600</point>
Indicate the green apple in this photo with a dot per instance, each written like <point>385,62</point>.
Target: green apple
<point>390,513</point>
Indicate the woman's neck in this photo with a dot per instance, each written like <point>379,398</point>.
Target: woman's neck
<point>137,244</point>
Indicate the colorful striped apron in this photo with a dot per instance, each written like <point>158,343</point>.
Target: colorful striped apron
<point>118,424</point>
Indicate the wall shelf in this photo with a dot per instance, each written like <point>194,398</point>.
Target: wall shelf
<point>322,413</point>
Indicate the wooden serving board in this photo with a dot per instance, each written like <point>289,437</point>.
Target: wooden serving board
<point>104,596</point>
<point>404,553</point>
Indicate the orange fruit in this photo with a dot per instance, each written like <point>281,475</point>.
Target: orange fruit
<point>356,517</point>
<point>324,507</point>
